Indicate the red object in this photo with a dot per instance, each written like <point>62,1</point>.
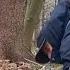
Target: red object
<point>48,49</point>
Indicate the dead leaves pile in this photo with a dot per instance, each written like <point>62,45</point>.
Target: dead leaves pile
<point>6,65</point>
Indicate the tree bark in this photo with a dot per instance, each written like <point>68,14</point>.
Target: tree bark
<point>15,38</point>
<point>12,13</point>
<point>31,21</point>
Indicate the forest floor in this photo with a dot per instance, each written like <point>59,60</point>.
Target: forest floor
<point>29,65</point>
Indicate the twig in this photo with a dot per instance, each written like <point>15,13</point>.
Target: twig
<point>32,62</point>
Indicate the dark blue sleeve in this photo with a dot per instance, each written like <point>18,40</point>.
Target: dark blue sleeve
<point>53,30</point>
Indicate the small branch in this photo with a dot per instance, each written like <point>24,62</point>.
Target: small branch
<point>32,62</point>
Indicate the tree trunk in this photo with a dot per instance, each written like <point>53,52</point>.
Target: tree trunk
<point>31,21</point>
<point>12,37</point>
<point>12,13</point>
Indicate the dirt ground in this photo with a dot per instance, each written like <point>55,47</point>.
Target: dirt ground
<point>30,65</point>
<point>7,65</point>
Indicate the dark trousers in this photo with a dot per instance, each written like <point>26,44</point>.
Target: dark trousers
<point>57,32</point>
<point>65,48</point>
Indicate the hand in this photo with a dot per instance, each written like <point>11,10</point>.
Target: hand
<point>48,50</point>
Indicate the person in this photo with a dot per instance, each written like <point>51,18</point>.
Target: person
<point>54,39</point>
